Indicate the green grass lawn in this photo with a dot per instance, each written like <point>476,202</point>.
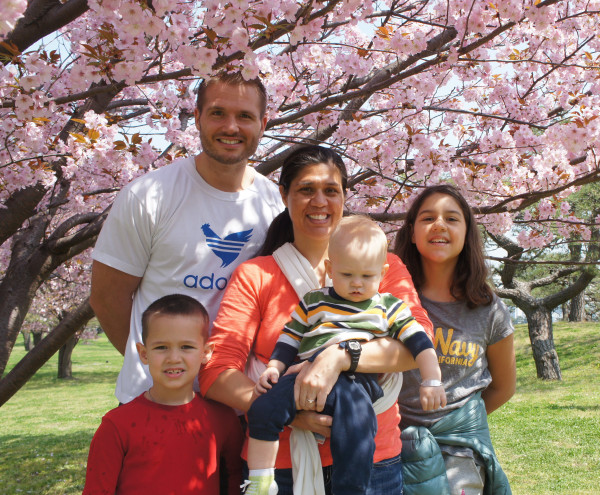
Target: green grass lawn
<point>46,428</point>
<point>547,437</point>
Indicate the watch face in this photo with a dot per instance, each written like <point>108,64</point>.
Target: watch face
<point>355,346</point>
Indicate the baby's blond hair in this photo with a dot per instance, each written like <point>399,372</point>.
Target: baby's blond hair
<point>361,234</point>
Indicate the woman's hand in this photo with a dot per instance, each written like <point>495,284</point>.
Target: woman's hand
<point>316,379</point>
<point>312,421</point>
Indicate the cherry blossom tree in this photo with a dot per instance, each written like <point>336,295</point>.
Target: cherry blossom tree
<point>559,286</point>
<point>500,98</point>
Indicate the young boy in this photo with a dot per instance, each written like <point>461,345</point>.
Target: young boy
<point>168,440</point>
<point>350,311</point>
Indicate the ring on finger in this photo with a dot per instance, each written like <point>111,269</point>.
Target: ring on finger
<point>310,401</point>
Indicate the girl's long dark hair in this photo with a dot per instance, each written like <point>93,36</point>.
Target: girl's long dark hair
<point>470,275</point>
<point>281,229</point>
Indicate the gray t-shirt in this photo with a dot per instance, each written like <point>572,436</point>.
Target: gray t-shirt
<point>461,337</point>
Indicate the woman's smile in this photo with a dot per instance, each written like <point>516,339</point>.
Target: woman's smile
<point>315,201</point>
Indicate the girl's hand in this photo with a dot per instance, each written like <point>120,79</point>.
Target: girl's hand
<point>312,421</point>
<point>315,380</point>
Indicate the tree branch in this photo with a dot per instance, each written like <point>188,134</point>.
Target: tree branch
<point>34,359</point>
<point>42,17</point>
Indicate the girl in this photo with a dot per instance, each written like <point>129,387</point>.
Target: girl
<point>441,247</point>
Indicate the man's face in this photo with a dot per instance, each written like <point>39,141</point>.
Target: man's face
<point>230,124</point>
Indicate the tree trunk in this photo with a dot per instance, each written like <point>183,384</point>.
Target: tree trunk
<point>539,322</point>
<point>34,360</point>
<point>37,338</point>
<point>27,341</point>
<point>565,308</point>
<point>64,358</point>
<point>577,312</point>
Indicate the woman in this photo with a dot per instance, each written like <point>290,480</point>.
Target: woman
<point>260,298</point>
<point>442,249</point>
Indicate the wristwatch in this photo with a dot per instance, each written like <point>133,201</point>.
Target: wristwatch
<point>354,349</point>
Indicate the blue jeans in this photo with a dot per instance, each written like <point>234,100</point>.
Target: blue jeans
<point>350,403</point>
<point>386,479</point>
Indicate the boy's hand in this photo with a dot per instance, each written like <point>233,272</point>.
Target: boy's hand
<point>269,376</point>
<point>432,398</point>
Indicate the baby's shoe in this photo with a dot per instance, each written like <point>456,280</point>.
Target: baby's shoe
<point>260,485</point>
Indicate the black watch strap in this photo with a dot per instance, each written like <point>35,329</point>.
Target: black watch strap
<point>354,349</point>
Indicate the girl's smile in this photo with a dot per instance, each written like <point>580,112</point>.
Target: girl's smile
<point>440,229</point>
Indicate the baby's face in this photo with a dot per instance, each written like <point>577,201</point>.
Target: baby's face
<point>355,278</point>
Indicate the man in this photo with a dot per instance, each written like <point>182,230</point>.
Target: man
<point>185,227</point>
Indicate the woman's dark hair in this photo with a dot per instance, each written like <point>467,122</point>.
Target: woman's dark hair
<point>281,229</point>
<point>470,275</point>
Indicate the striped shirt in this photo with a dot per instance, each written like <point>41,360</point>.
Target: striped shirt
<point>322,318</point>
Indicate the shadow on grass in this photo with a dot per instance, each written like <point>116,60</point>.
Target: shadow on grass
<point>572,407</point>
<point>44,379</point>
<point>44,464</point>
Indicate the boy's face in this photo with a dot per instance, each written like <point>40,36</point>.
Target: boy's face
<point>174,351</point>
<point>355,276</point>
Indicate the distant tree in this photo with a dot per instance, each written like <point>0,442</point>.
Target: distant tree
<point>577,307</point>
<point>538,296</point>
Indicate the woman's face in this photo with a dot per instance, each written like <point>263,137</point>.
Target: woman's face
<point>315,201</point>
<point>440,229</point>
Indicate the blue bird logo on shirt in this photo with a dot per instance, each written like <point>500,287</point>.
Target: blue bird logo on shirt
<point>229,248</point>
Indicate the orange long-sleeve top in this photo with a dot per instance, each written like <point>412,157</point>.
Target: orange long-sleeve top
<point>257,304</point>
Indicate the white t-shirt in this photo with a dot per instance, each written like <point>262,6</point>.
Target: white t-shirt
<point>181,236</point>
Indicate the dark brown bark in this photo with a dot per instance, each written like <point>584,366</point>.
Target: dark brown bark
<point>65,365</point>
<point>41,18</point>
<point>37,338</point>
<point>27,340</point>
<point>539,321</point>
<point>34,360</point>
<point>577,310</point>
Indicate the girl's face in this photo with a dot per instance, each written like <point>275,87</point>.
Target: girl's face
<point>315,201</point>
<point>440,229</point>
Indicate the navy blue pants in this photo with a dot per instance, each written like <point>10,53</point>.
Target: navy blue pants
<point>353,429</point>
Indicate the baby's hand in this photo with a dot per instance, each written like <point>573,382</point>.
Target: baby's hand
<point>432,398</point>
<point>269,376</point>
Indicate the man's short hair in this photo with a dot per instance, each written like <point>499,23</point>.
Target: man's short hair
<point>175,305</point>
<point>233,79</point>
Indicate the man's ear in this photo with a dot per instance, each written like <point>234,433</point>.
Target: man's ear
<point>263,125</point>
<point>141,348</point>
<point>208,350</point>
<point>197,117</point>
